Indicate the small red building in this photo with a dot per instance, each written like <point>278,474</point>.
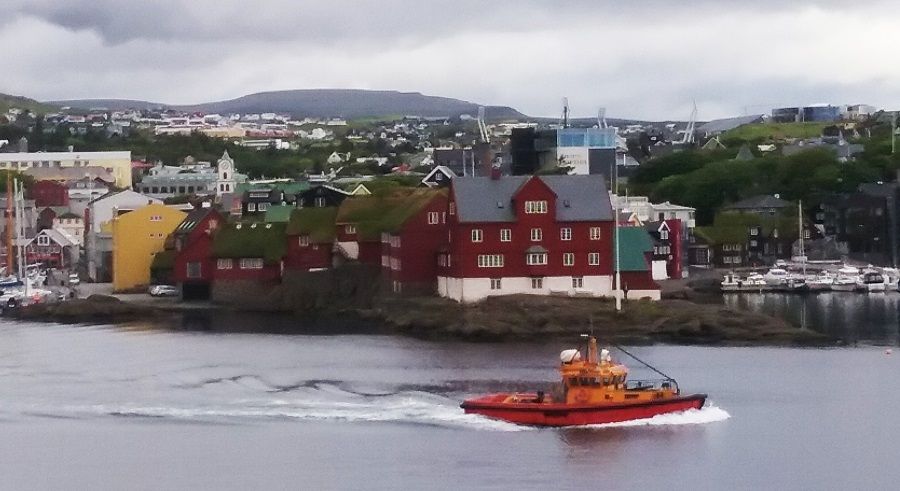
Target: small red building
<point>412,240</point>
<point>310,239</point>
<point>358,229</point>
<point>52,249</point>
<point>49,193</point>
<point>194,266</point>
<point>249,251</point>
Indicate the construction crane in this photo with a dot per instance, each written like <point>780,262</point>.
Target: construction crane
<point>482,128</point>
<point>601,118</point>
<point>689,130</point>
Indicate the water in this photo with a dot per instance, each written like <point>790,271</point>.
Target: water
<point>126,408</point>
<point>853,317</point>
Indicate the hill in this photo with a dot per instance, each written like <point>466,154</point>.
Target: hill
<point>7,101</point>
<point>346,103</point>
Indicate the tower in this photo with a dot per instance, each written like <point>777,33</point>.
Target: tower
<point>225,181</point>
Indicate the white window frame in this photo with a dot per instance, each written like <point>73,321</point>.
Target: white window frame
<point>594,233</point>
<point>536,258</point>
<point>534,207</point>
<point>224,263</point>
<point>577,282</point>
<point>490,260</point>
<point>251,263</point>
<point>477,235</point>
<point>251,206</point>
<point>568,259</point>
<point>319,202</point>
<point>593,259</point>
<point>433,218</point>
<point>537,235</point>
<point>262,207</point>
<point>537,283</point>
<point>664,234</point>
<point>565,233</point>
<point>496,284</point>
<point>505,235</point>
<point>303,241</point>
<point>349,229</point>
<point>43,240</point>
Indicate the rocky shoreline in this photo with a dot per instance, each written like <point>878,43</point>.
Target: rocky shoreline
<point>521,317</point>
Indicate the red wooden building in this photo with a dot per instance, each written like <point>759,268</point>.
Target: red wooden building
<point>528,234</point>
<point>193,267</point>
<point>49,193</point>
<point>249,251</point>
<point>310,239</point>
<point>414,234</point>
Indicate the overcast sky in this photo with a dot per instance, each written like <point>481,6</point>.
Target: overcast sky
<point>639,59</point>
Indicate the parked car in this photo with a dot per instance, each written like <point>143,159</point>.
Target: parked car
<point>74,279</point>
<point>163,291</point>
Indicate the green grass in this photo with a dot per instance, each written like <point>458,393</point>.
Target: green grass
<point>774,131</point>
<point>317,223</point>
<point>13,101</point>
<point>265,240</point>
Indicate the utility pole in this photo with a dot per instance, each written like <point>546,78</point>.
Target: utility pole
<point>894,133</point>
<point>616,238</point>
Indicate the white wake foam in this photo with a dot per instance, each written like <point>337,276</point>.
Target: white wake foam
<point>705,415</point>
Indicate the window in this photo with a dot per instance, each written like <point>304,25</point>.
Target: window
<point>251,206</point>
<point>505,235</point>
<point>754,230</point>
<point>663,234</point>
<point>303,241</point>
<point>194,269</point>
<point>224,264</point>
<point>43,240</point>
<point>535,207</point>
<point>536,235</point>
<point>452,208</point>
<point>476,235</point>
<point>490,260</point>
<point>251,263</point>
<point>595,233</point>
<point>569,259</point>
<point>536,259</point>
<point>349,229</point>
<point>155,218</point>
<point>320,202</point>
<point>433,217</point>
<point>495,284</point>
<point>565,233</point>
<point>537,283</point>
<point>262,206</point>
<point>577,282</point>
<point>593,258</point>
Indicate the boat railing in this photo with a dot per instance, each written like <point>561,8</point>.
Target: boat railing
<point>652,384</point>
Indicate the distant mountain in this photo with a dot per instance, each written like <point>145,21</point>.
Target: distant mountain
<point>7,101</point>
<point>346,103</point>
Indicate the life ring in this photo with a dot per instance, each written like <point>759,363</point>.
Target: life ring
<point>581,396</point>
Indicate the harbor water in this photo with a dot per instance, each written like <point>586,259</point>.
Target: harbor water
<point>128,407</point>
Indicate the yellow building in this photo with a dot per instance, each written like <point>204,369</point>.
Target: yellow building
<point>116,163</point>
<point>136,236</point>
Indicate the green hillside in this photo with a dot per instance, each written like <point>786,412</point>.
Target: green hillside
<point>772,132</point>
<point>14,101</point>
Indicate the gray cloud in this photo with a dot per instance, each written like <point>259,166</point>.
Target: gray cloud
<point>639,59</point>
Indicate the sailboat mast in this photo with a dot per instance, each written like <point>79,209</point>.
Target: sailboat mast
<point>9,225</point>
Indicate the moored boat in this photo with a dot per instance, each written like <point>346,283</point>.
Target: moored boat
<point>870,281</point>
<point>594,390</point>
<point>846,279</point>
<point>821,282</point>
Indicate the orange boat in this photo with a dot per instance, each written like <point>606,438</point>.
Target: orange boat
<point>593,391</point>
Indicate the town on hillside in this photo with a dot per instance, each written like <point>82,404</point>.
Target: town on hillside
<point>209,206</point>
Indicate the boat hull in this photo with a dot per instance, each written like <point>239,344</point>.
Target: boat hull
<point>560,414</point>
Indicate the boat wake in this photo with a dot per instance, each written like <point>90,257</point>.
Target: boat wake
<point>705,415</point>
<point>320,402</point>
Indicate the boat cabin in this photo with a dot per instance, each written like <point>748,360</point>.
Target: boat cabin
<point>598,379</point>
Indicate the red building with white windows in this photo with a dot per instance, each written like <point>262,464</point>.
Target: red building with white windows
<point>529,234</point>
<point>194,265</point>
<point>310,239</point>
<point>249,251</point>
<point>412,239</point>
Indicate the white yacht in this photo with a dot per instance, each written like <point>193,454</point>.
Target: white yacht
<point>870,281</point>
<point>846,279</point>
<point>820,282</point>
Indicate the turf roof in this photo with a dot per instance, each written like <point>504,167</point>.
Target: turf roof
<point>278,213</point>
<point>373,215</point>
<point>265,240</point>
<point>317,223</point>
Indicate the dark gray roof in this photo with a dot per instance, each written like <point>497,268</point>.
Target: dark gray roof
<point>482,199</point>
<point>757,202</point>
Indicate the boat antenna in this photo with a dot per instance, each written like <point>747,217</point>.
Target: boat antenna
<point>642,362</point>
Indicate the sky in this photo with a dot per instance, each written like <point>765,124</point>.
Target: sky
<point>646,59</point>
